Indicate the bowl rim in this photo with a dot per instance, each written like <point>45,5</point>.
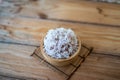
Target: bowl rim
<point>45,55</point>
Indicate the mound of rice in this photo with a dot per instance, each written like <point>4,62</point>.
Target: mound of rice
<point>60,43</point>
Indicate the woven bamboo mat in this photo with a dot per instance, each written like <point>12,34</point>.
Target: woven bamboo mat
<point>65,71</point>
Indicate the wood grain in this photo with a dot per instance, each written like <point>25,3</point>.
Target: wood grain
<point>23,23</point>
<point>104,39</point>
<point>8,78</point>
<point>15,61</point>
<point>83,11</point>
<point>99,67</point>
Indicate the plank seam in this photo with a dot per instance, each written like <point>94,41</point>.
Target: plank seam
<point>18,43</point>
<point>106,54</point>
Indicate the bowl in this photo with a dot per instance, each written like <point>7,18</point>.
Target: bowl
<point>60,62</point>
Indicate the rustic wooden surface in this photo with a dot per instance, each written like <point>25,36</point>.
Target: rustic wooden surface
<point>80,11</point>
<point>104,39</point>
<point>23,23</point>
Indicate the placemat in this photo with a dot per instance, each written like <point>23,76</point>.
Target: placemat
<point>65,71</point>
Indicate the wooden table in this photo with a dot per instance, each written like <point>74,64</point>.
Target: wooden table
<point>23,23</point>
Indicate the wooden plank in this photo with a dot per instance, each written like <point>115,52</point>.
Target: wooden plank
<point>104,39</point>
<point>99,67</point>
<point>83,11</point>
<point>15,60</point>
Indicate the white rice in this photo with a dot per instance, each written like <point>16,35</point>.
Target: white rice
<point>60,43</point>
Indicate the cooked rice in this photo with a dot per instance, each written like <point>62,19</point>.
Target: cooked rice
<point>60,43</point>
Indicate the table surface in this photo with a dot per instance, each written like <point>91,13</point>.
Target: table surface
<point>23,24</point>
